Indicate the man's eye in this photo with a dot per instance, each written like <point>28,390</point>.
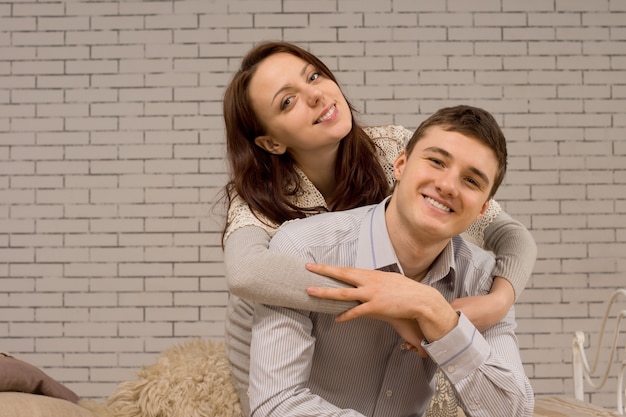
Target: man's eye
<point>473,183</point>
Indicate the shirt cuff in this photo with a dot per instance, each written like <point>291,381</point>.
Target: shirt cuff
<point>461,351</point>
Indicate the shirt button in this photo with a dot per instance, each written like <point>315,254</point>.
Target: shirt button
<point>388,393</point>
<point>451,369</point>
<point>473,406</point>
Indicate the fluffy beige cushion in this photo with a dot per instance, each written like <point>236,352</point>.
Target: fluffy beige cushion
<point>191,379</point>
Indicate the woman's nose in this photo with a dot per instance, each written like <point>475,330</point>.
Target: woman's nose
<point>314,95</point>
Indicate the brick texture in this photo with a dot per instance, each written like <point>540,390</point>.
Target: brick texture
<point>112,155</point>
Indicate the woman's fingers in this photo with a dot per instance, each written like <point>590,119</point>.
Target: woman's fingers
<point>345,274</point>
<point>342,294</point>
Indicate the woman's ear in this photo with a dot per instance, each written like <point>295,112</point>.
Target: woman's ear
<point>270,145</point>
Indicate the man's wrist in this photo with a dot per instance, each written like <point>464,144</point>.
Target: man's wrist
<point>442,324</point>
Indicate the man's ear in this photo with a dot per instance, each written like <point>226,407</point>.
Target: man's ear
<point>269,144</point>
<point>398,165</point>
<point>484,209</point>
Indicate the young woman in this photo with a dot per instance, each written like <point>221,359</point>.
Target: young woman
<point>295,150</point>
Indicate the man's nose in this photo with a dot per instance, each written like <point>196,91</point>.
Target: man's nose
<point>447,183</point>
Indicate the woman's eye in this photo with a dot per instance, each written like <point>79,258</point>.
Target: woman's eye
<point>286,102</point>
<point>314,76</point>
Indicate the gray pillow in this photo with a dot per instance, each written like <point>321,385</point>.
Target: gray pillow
<point>20,376</point>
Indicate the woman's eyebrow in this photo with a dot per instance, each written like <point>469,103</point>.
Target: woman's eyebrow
<point>286,86</point>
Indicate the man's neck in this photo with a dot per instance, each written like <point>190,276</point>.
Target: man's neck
<point>416,250</point>
<point>415,256</point>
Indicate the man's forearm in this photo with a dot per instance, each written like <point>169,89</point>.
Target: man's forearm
<point>486,372</point>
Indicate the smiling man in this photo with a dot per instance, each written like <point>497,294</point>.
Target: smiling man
<point>307,363</point>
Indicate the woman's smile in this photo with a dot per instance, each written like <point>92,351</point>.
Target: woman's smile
<point>327,115</point>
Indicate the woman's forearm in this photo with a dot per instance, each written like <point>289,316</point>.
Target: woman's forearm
<point>515,250</point>
<point>255,273</point>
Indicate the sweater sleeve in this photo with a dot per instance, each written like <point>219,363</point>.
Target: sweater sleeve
<point>514,248</point>
<point>256,274</point>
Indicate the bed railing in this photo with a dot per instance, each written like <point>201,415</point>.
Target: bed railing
<point>585,373</point>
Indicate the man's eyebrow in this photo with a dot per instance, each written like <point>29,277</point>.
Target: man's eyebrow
<point>286,86</point>
<point>475,170</point>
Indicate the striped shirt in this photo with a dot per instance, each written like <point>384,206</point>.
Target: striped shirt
<point>303,363</point>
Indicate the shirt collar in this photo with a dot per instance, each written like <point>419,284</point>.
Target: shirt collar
<point>375,250</point>
<point>444,266</point>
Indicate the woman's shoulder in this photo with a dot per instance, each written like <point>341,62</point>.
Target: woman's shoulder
<point>389,141</point>
<point>240,215</point>
<point>389,133</point>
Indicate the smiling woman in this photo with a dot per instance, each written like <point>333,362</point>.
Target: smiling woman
<point>285,92</point>
<point>295,150</point>
<point>272,110</point>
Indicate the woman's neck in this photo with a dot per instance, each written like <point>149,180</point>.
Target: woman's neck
<point>325,182</point>
<point>320,170</point>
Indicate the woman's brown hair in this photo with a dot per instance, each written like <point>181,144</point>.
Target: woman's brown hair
<point>266,181</point>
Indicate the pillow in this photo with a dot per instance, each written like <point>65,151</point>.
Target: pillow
<point>17,375</point>
<point>20,404</point>
<point>191,379</point>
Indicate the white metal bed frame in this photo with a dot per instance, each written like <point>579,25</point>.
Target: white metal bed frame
<point>583,372</point>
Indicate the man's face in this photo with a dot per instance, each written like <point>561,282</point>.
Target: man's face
<point>444,185</point>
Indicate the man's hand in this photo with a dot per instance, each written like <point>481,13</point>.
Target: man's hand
<point>410,331</point>
<point>388,296</point>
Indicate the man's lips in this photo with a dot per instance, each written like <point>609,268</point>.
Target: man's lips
<point>437,204</point>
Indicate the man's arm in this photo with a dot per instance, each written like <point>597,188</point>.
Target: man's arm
<point>280,365</point>
<point>486,372</point>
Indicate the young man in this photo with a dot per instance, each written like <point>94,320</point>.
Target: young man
<point>306,363</point>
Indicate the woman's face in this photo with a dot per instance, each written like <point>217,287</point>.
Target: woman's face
<point>302,111</point>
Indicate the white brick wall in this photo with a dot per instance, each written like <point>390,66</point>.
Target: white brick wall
<point>112,145</point>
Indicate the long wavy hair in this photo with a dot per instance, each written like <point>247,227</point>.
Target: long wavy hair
<point>266,181</point>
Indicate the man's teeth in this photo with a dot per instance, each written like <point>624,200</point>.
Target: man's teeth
<point>438,205</point>
<point>326,115</point>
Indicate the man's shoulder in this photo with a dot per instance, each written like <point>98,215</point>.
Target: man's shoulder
<point>339,217</point>
<point>477,256</point>
<point>325,227</point>
<point>473,267</point>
